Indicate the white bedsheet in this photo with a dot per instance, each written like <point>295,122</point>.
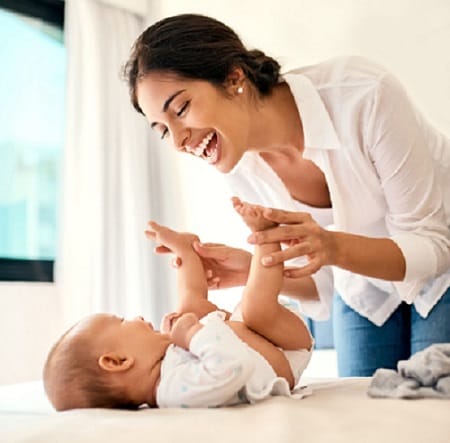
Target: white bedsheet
<point>338,411</point>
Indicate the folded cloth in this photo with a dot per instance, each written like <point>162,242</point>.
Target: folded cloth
<point>425,374</point>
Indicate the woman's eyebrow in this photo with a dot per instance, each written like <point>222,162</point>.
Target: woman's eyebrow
<point>167,104</point>
<point>170,99</point>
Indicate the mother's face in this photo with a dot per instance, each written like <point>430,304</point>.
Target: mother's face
<point>197,117</point>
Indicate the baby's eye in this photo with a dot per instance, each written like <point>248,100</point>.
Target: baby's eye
<point>183,108</point>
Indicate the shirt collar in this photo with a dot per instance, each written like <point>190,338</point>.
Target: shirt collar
<point>318,129</point>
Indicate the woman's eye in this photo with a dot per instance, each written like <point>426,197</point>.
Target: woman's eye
<point>183,108</point>
<point>164,133</point>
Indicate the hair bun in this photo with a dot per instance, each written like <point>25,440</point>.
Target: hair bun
<point>264,71</point>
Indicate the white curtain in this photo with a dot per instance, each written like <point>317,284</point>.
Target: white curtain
<point>111,180</point>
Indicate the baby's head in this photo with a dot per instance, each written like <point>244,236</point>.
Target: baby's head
<point>104,361</point>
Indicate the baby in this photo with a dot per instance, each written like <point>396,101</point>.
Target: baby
<point>203,356</point>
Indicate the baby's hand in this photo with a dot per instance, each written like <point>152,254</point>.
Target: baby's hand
<point>168,321</point>
<point>184,328</point>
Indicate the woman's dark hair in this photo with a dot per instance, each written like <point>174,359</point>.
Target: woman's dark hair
<point>197,47</point>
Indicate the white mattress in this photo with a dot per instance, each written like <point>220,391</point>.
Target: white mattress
<point>338,411</point>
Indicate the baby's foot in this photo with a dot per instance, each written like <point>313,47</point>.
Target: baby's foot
<point>173,240</point>
<point>252,215</point>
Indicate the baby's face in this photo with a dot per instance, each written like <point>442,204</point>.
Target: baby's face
<point>134,337</point>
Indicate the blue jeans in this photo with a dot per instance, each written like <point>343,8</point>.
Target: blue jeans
<point>362,347</point>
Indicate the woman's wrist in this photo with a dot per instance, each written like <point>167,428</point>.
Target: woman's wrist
<point>337,248</point>
<point>373,257</point>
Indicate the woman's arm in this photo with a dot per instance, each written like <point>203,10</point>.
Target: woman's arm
<point>227,267</point>
<point>398,144</point>
<point>373,257</point>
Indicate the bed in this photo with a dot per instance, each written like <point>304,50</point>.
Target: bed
<point>339,410</point>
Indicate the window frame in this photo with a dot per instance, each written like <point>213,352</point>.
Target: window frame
<point>51,11</point>
<point>29,270</point>
<point>16,269</point>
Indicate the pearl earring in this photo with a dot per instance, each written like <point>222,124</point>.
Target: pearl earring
<point>240,90</point>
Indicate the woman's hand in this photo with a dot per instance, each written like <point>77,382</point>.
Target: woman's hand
<point>304,237</point>
<point>225,267</point>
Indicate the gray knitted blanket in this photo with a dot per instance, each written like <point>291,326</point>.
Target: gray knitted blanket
<point>425,374</point>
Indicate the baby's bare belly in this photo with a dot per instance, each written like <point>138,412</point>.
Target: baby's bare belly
<point>268,350</point>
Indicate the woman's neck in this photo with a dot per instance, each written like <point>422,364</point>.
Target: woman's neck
<point>276,125</point>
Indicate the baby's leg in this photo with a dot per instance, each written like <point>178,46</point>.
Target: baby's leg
<point>252,215</point>
<point>191,279</point>
<point>261,311</point>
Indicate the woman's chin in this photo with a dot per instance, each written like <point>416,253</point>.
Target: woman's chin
<point>225,167</point>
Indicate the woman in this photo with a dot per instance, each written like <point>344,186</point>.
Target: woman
<point>336,144</point>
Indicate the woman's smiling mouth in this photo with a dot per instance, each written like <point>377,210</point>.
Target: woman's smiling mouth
<point>207,149</point>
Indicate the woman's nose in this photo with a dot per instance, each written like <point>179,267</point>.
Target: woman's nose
<point>180,139</point>
<point>139,318</point>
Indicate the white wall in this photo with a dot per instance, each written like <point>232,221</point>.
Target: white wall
<point>29,324</point>
<point>412,38</point>
<point>136,6</point>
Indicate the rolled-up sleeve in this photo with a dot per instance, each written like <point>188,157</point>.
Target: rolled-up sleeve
<point>399,145</point>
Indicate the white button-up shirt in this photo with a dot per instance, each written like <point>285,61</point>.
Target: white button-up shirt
<point>388,173</point>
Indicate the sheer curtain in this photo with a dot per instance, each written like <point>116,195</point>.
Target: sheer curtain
<point>111,180</point>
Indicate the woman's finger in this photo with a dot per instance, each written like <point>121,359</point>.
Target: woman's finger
<point>305,271</point>
<point>210,250</point>
<point>298,250</point>
<point>286,217</point>
<point>279,234</point>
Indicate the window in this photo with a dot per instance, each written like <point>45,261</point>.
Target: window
<point>32,86</point>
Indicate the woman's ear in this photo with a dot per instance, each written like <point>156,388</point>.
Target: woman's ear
<point>235,81</point>
<point>113,362</point>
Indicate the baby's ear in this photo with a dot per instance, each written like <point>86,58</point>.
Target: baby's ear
<point>113,362</point>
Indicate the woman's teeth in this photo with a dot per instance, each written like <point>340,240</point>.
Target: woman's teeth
<point>203,150</point>
<point>212,155</point>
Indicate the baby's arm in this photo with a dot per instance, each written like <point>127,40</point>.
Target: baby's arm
<point>221,366</point>
<point>191,280</point>
<point>261,310</point>
<point>184,328</point>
